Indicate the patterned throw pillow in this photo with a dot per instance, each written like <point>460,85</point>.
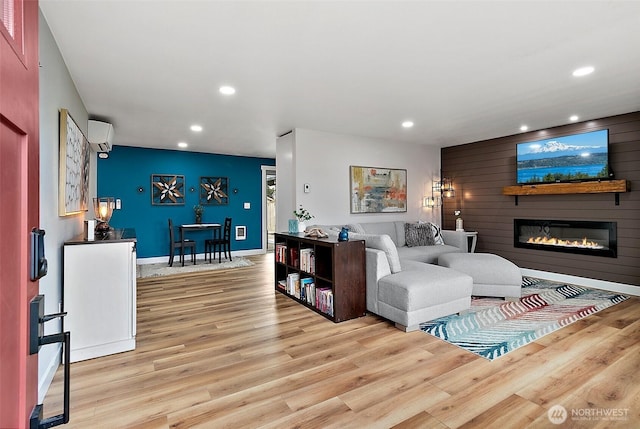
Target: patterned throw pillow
<point>437,234</point>
<point>418,234</point>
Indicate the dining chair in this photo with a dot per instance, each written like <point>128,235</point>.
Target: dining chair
<point>220,243</point>
<point>180,244</point>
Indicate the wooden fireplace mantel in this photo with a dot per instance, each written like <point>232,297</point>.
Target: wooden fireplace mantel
<point>595,187</point>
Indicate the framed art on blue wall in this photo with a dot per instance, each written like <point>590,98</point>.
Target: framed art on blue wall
<point>214,190</point>
<point>167,189</point>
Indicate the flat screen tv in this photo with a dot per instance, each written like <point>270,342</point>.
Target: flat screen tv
<point>571,158</point>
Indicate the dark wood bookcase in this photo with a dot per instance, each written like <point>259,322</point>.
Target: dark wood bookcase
<point>339,266</point>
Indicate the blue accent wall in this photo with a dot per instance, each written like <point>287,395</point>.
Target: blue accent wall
<point>129,168</point>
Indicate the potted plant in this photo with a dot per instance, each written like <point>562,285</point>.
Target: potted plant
<point>198,210</point>
<point>302,215</point>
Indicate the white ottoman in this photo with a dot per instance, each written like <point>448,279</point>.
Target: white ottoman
<point>492,275</point>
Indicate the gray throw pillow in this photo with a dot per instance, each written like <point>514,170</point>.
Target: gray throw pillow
<point>418,234</point>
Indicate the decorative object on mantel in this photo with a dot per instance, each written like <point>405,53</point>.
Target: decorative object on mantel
<point>73,182</point>
<point>168,189</point>
<point>302,216</point>
<point>378,190</point>
<point>103,209</point>
<point>494,327</point>
<point>214,190</point>
<point>197,211</point>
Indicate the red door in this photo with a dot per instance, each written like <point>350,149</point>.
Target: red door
<point>19,198</point>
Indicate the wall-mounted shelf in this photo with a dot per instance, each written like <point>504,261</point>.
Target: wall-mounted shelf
<point>595,187</point>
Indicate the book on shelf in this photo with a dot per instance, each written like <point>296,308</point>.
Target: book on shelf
<point>307,290</point>
<point>308,260</point>
<point>281,253</point>
<point>293,284</point>
<point>324,300</point>
<point>282,284</point>
<point>294,260</point>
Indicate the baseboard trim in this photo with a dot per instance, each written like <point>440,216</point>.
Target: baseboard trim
<point>583,281</point>
<point>165,259</point>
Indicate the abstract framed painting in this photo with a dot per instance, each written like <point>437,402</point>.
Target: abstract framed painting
<point>167,190</point>
<point>214,190</point>
<point>378,190</point>
<point>73,178</point>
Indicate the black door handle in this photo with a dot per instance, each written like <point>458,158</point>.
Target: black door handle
<point>37,339</point>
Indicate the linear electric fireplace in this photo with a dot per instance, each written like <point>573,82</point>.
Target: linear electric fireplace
<point>570,236</point>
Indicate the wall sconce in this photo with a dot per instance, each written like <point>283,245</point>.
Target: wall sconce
<point>447,188</point>
<point>434,200</point>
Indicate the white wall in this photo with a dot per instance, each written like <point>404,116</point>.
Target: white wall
<point>57,91</point>
<point>322,160</point>
<point>285,180</point>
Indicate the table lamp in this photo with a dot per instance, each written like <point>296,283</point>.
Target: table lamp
<point>103,209</point>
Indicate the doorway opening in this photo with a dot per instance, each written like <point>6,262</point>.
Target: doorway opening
<point>268,208</point>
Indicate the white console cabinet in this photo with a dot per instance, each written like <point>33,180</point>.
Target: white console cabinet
<point>99,295</point>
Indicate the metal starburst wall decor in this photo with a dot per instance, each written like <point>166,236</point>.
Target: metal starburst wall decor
<point>214,190</point>
<point>167,189</point>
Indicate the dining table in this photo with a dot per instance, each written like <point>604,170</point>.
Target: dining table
<point>191,227</point>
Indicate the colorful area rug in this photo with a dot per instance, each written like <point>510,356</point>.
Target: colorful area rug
<point>494,327</point>
<point>163,269</point>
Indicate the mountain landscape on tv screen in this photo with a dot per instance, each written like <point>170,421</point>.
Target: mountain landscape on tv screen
<point>570,158</point>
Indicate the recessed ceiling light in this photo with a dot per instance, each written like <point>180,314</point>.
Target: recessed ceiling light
<point>583,71</point>
<point>182,144</point>
<point>407,124</point>
<point>196,128</point>
<point>524,128</point>
<point>227,90</point>
<point>573,118</point>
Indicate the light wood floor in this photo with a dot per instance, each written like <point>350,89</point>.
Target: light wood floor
<point>222,349</point>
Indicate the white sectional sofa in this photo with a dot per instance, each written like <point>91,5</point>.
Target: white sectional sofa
<point>405,284</point>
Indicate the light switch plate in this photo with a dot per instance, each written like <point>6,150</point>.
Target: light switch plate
<point>247,205</point>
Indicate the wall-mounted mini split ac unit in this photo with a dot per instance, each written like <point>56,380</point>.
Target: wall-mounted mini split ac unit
<point>100,135</point>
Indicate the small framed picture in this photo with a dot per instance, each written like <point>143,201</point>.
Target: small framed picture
<point>214,190</point>
<point>167,189</point>
<point>241,232</point>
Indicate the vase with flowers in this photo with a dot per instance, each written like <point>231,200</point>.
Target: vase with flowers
<point>197,211</point>
<point>302,215</point>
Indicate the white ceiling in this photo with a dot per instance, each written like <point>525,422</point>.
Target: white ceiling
<point>461,71</point>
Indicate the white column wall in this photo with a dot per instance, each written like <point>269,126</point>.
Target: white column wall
<point>285,181</point>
